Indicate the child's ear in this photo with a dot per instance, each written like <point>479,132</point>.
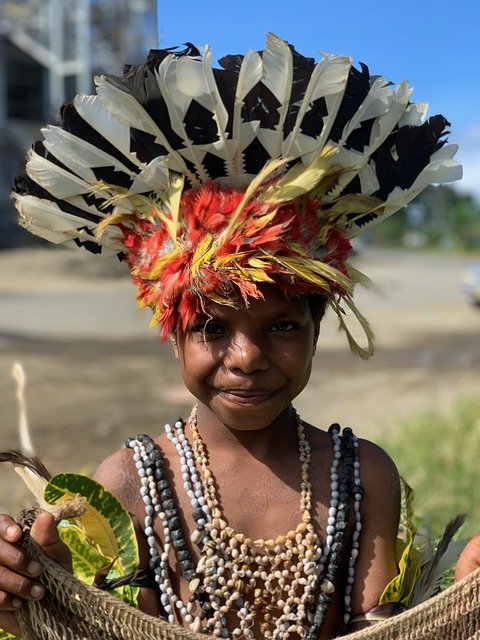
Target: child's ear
<point>173,340</point>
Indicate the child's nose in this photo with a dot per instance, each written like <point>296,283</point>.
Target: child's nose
<point>246,354</point>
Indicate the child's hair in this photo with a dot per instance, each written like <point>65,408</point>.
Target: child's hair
<point>318,306</point>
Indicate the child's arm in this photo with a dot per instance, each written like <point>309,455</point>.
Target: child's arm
<point>469,559</point>
<point>376,563</point>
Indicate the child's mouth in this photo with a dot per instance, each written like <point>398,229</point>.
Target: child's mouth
<point>244,397</point>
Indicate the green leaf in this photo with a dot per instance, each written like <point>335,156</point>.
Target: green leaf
<point>86,558</point>
<point>4,635</point>
<point>103,538</point>
<point>400,588</point>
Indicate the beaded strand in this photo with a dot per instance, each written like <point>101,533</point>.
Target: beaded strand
<point>285,565</point>
<point>274,581</point>
<point>158,497</point>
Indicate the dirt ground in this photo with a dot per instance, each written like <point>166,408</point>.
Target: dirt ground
<point>96,374</point>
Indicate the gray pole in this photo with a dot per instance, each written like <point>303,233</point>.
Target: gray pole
<point>56,91</point>
<point>3,87</point>
<point>83,47</point>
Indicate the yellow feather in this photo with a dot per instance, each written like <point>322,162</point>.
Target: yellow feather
<point>301,179</point>
<point>215,297</point>
<point>203,253</point>
<point>316,272</point>
<point>352,202</point>
<point>258,263</point>
<point>222,261</point>
<point>158,265</point>
<point>354,346</point>
<point>258,275</point>
<point>266,172</point>
<point>172,200</point>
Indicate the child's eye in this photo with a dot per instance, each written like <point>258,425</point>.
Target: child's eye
<point>208,328</point>
<point>213,329</point>
<point>283,325</point>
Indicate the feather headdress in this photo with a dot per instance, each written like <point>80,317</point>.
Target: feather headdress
<point>212,181</point>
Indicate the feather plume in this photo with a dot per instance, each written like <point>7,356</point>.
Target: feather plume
<point>327,83</point>
<point>177,104</point>
<point>209,180</point>
<point>26,443</point>
<point>19,459</point>
<point>445,556</point>
<point>244,132</point>
<point>277,78</point>
<point>32,471</point>
<point>195,80</point>
<point>129,112</point>
<point>59,182</point>
<point>384,105</point>
<point>95,113</point>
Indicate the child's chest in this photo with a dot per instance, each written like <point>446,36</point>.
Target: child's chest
<point>254,501</point>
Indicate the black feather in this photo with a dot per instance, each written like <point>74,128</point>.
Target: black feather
<point>21,460</point>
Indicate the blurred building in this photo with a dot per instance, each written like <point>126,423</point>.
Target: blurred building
<point>49,51</point>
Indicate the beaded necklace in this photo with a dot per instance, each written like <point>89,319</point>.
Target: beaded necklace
<point>284,584</point>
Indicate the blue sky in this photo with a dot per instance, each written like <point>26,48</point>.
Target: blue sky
<point>435,45</point>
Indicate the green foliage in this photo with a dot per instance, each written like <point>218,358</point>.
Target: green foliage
<point>102,540</point>
<point>438,453</point>
<point>400,589</point>
<point>439,218</point>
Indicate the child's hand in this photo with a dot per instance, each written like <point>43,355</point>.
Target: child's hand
<point>17,569</point>
<point>469,559</point>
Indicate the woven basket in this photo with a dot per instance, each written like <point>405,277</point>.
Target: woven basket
<point>72,610</point>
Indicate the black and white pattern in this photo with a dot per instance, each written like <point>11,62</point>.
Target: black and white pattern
<point>177,113</point>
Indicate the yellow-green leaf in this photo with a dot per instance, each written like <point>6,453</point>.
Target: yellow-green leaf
<point>86,558</point>
<point>106,527</point>
<point>409,560</point>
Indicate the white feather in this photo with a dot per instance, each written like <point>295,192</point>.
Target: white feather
<point>36,484</point>
<point>244,132</point>
<point>45,219</point>
<point>80,156</point>
<point>125,108</point>
<point>386,106</point>
<point>177,105</point>
<point>26,444</point>
<point>155,176</point>
<point>57,181</point>
<point>414,115</point>
<point>440,170</point>
<point>328,81</point>
<point>277,77</point>
<point>198,82</point>
<point>96,114</point>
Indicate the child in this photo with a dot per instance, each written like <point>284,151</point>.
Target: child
<point>232,194</point>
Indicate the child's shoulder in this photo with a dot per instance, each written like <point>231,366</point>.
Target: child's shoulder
<point>377,469</point>
<point>118,473</point>
<point>376,464</point>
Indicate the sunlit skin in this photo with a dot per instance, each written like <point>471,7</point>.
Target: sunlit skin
<point>244,367</point>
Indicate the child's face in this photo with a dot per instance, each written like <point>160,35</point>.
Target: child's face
<point>246,366</point>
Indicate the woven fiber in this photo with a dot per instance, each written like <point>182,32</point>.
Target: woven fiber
<point>72,610</point>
